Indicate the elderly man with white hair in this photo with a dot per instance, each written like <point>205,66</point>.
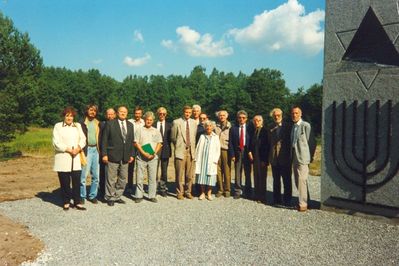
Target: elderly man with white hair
<point>222,129</point>
<point>196,113</point>
<point>148,141</point>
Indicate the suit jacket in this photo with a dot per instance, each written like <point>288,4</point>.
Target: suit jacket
<point>280,144</point>
<point>178,136</point>
<point>83,123</point>
<point>305,144</point>
<point>166,150</point>
<point>112,143</point>
<point>259,146</point>
<point>234,139</point>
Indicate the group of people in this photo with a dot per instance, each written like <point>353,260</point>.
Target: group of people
<point>119,150</point>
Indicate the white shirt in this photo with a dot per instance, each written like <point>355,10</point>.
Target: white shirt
<point>137,124</point>
<point>159,127</point>
<point>294,134</point>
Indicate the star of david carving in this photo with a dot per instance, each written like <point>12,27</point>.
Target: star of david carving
<point>369,50</point>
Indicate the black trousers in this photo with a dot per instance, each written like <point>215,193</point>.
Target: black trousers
<point>103,174</point>
<point>283,172</point>
<point>243,163</point>
<point>163,178</point>
<point>130,174</point>
<point>65,182</point>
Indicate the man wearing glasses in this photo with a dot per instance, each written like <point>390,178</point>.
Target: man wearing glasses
<point>165,152</point>
<point>239,140</point>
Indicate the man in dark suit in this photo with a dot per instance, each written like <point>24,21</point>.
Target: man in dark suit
<point>166,152</point>
<point>117,152</point>
<point>239,140</point>
<point>279,157</point>
<point>110,114</point>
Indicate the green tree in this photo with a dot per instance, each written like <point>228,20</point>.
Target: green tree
<point>20,67</point>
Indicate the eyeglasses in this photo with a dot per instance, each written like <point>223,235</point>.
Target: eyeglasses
<point>242,117</point>
<point>161,113</point>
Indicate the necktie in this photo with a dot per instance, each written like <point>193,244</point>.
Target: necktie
<point>161,129</point>
<point>187,135</point>
<point>242,138</point>
<point>123,131</point>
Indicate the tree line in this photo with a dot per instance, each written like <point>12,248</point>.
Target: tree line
<point>31,93</point>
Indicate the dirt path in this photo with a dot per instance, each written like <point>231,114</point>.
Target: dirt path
<point>22,178</point>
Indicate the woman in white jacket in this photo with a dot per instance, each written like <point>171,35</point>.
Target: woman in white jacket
<point>206,160</point>
<point>68,141</point>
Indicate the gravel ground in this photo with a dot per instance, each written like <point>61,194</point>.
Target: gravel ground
<point>223,231</point>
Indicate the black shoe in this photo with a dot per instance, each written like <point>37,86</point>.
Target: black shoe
<point>138,200</point>
<point>120,201</point>
<point>80,208</point>
<point>94,200</point>
<point>110,203</point>
<point>163,194</point>
<point>237,196</point>
<point>154,200</point>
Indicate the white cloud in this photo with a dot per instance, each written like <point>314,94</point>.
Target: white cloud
<point>138,36</point>
<point>285,28</point>
<point>168,44</point>
<point>196,45</point>
<point>136,62</point>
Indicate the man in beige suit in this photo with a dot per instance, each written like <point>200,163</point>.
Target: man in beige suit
<point>183,134</point>
<point>303,147</point>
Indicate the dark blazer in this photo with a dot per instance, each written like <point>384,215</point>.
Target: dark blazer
<point>112,143</point>
<point>259,147</point>
<point>166,151</point>
<point>234,139</point>
<point>280,144</point>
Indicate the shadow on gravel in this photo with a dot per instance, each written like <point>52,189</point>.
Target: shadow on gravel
<point>53,197</point>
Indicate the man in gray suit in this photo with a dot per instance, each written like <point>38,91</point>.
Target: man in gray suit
<point>117,152</point>
<point>303,147</point>
<point>183,134</point>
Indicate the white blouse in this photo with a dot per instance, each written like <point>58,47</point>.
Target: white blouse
<point>64,137</point>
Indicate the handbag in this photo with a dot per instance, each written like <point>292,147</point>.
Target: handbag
<point>83,159</point>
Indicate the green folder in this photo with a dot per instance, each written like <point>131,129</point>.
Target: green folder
<point>148,148</point>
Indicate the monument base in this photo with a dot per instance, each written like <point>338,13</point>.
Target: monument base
<point>369,208</point>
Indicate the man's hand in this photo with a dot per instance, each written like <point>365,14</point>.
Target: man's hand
<point>131,159</point>
<point>105,159</point>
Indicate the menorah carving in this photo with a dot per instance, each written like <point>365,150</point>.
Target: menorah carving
<point>357,170</point>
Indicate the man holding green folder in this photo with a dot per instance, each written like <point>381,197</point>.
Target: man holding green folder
<point>148,142</point>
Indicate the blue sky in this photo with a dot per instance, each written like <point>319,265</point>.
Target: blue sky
<point>172,36</point>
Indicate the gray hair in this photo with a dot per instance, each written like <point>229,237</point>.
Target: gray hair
<point>242,112</point>
<point>275,110</point>
<point>160,109</point>
<point>209,123</point>
<point>260,118</point>
<point>149,114</point>
<point>218,112</point>
<point>196,106</point>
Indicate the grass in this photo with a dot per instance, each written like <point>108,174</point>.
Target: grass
<point>315,166</point>
<point>36,141</point>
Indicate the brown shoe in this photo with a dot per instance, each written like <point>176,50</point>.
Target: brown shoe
<point>189,196</point>
<point>219,194</point>
<point>180,196</point>
<point>302,208</point>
